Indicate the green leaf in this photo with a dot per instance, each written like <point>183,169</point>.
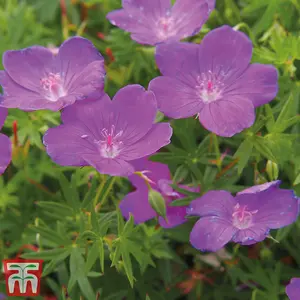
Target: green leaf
<point>121,222</point>
<point>297,180</point>
<point>89,197</point>
<point>283,232</point>
<point>58,210</point>
<point>184,191</point>
<point>116,254</point>
<point>127,264</point>
<point>284,114</point>
<point>50,235</point>
<point>243,154</point>
<point>46,255</point>
<point>69,190</point>
<point>270,117</point>
<point>50,267</point>
<point>129,226</point>
<point>261,145</point>
<point>182,202</point>
<point>100,245</point>
<point>94,221</point>
<point>77,272</point>
<point>157,202</point>
<point>93,255</point>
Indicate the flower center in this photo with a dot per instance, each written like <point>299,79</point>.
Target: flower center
<point>209,86</point>
<point>166,27</point>
<point>110,146</point>
<point>241,217</point>
<point>53,86</point>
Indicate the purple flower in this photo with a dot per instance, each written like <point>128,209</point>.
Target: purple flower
<point>293,289</point>
<point>260,188</point>
<point>137,202</point>
<point>5,144</point>
<point>2,296</point>
<point>245,219</point>
<point>214,80</point>
<point>35,78</point>
<point>108,134</point>
<point>156,21</point>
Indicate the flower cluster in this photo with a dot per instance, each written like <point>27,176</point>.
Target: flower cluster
<point>214,81</point>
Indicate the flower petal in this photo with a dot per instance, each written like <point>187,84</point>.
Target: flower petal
<point>152,7</point>
<point>135,110</point>
<point>176,99</point>
<point>5,152</point>
<point>261,187</point>
<point>276,208</point>
<point>3,115</point>
<point>251,235</point>
<point>177,59</point>
<point>259,83</point>
<point>110,166</point>
<point>228,116</point>
<point>87,110</point>
<point>90,80</point>
<point>16,96</point>
<point>213,203</point>
<point>211,4</point>
<point>211,233</point>
<point>293,289</point>
<point>189,16</point>
<point>66,144</point>
<point>74,55</point>
<point>137,23</point>
<point>158,137</point>
<point>137,204</point>
<point>28,66</point>
<point>154,171</point>
<point>175,216</point>
<point>234,57</point>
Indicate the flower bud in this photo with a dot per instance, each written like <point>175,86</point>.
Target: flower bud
<point>272,170</point>
<point>157,202</point>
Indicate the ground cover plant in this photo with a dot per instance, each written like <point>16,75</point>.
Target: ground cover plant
<point>150,149</point>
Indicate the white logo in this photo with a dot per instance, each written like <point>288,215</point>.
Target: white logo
<point>23,277</point>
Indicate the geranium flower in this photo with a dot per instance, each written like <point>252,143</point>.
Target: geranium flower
<point>156,21</point>
<point>107,134</point>
<point>137,202</point>
<point>213,80</point>
<point>245,219</point>
<point>35,78</point>
<point>5,144</point>
<point>293,289</point>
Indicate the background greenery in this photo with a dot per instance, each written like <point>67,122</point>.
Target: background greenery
<point>69,217</point>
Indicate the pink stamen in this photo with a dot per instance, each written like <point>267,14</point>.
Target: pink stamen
<point>242,218</point>
<point>109,140</point>
<point>53,85</point>
<point>209,85</point>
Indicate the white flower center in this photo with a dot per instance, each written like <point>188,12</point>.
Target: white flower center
<point>53,87</point>
<point>165,27</point>
<point>209,86</point>
<point>110,146</point>
<point>241,217</point>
